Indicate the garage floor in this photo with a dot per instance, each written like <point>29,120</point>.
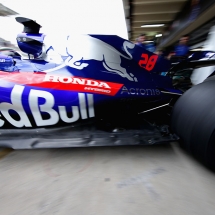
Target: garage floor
<point>106,180</point>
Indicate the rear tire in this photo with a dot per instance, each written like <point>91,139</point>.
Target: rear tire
<point>193,120</point>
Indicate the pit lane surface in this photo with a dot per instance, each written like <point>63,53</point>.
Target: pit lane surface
<point>105,180</point>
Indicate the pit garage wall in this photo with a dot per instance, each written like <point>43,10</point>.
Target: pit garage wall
<point>99,17</point>
<point>185,18</point>
<point>71,16</point>
<point>200,74</point>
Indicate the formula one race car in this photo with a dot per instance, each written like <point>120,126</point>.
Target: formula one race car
<point>104,90</point>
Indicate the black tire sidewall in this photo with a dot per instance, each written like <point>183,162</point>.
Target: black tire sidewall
<point>193,119</point>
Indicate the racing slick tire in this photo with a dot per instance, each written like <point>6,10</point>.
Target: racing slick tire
<point>193,120</point>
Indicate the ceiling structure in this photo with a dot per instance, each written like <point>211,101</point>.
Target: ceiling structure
<point>145,12</point>
<point>5,11</point>
<point>198,36</point>
<point>197,28</point>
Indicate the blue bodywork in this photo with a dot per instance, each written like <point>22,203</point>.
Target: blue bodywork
<point>86,90</point>
<point>33,88</point>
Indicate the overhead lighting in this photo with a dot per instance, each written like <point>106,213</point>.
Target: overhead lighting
<point>152,26</point>
<point>158,35</point>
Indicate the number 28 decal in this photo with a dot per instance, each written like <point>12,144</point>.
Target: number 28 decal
<point>148,63</point>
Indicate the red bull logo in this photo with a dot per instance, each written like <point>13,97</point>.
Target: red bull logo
<point>89,48</point>
<point>82,111</point>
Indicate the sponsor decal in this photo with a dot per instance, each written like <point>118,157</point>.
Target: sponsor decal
<point>79,54</point>
<point>140,91</point>
<point>85,109</point>
<point>63,83</point>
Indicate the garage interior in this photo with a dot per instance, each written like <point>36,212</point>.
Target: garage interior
<point>170,13</point>
<point>127,180</point>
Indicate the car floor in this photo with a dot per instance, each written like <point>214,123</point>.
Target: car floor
<point>153,180</point>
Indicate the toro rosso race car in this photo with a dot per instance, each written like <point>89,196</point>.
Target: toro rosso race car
<point>103,90</point>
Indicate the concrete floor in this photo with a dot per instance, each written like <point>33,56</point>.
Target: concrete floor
<point>151,180</point>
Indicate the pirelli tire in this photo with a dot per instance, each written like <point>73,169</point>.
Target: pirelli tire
<point>193,120</point>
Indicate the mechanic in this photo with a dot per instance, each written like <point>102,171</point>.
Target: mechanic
<point>140,41</point>
<point>182,48</point>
